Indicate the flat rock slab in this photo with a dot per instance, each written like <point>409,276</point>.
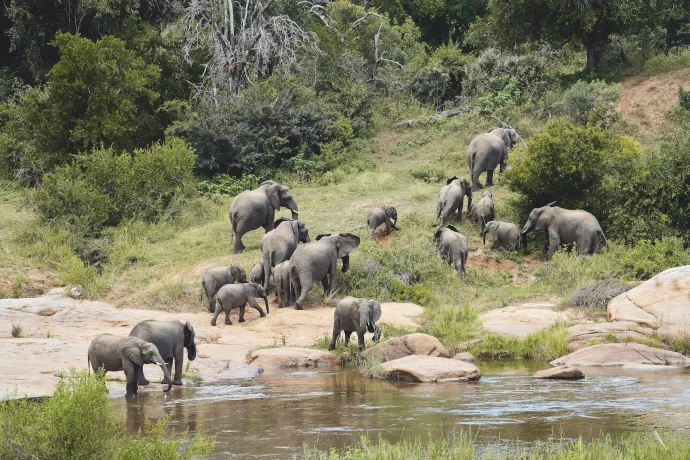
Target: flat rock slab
<point>622,354</point>
<point>288,357</point>
<point>418,368</point>
<point>464,356</point>
<point>403,314</point>
<point>410,344</point>
<point>566,373</point>
<point>671,333</point>
<point>519,322</point>
<point>584,335</point>
<point>663,300</point>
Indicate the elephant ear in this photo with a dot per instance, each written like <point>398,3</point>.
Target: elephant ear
<point>273,195</point>
<point>189,334</point>
<point>267,182</point>
<point>452,227</point>
<point>389,210</point>
<point>295,229</point>
<point>466,186</point>
<point>369,313</point>
<point>280,220</point>
<point>451,179</point>
<point>322,235</point>
<point>437,234</point>
<point>253,290</point>
<point>347,242</point>
<point>132,350</point>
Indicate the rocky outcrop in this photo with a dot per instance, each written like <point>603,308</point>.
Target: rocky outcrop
<point>584,335</point>
<point>464,356</point>
<point>288,357</point>
<point>519,321</point>
<point>564,373</point>
<point>673,333</point>
<point>407,345</point>
<point>418,368</point>
<point>598,295</point>
<point>661,301</point>
<point>628,355</point>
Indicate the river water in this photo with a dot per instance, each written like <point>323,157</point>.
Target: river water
<point>275,416</point>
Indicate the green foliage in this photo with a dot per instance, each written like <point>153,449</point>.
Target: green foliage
<point>503,91</point>
<point>544,345</point>
<point>427,172</point>
<point>437,77</point>
<point>453,324</point>
<point>583,98</point>
<point>79,422</point>
<point>684,98</point>
<point>223,184</point>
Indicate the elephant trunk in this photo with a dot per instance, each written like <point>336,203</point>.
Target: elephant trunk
<point>528,226</point>
<point>266,302</point>
<point>484,236</point>
<point>191,352</point>
<point>166,372</point>
<point>523,240</point>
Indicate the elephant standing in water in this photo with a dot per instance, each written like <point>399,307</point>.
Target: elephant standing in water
<point>233,296</point>
<point>451,198</point>
<point>317,261</point>
<point>453,247</point>
<point>356,315</point>
<point>379,216</point>
<point>504,234</point>
<point>252,209</point>
<point>566,226</point>
<point>129,354</point>
<point>170,338</point>
<point>489,150</point>
<point>217,277</point>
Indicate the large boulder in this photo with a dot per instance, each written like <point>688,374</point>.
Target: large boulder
<point>419,368</point>
<point>628,355</point>
<point>411,344</point>
<point>464,356</point>
<point>598,295</point>
<point>584,335</point>
<point>518,321</point>
<point>561,373</point>
<point>673,333</point>
<point>287,357</point>
<point>661,301</point>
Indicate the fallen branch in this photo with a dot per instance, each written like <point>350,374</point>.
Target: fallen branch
<point>453,112</point>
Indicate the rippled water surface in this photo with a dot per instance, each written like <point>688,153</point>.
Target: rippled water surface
<point>274,416</point>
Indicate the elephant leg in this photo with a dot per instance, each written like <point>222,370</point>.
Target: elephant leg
<point>255,306</point>
<point>347,337</point>
<point>132,373</point>
<point>142,379</point>
<point>554,244</point>
<point>216,314</point>
<point>227,318</point>
<point>239,246</point>
<point>179,358</point>
<point>475,180</point>
<point>333,276</point>
<point>326,287</point>
<point>360,340</point>
<point>242,313</point>
<point>303,289</point>
<point>336,334</point>
<point>490,178</point>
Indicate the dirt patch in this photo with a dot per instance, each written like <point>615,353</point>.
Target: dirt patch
<point>521,272</point>
<point>644,104</point>
<point>386,142</point>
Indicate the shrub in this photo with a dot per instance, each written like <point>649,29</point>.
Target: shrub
<point>427,172</point>
<point>582,99</point>
<point>684,98</point>
<point>544,345</point>
<point>224,184</point>
<point>503,91</point>
<point>439,78</point>
<point>597,295</point>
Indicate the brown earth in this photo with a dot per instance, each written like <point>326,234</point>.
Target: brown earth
<point>521,273</point>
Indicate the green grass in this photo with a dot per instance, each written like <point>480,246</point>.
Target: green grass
<point>544,345</point>
<point>648,446</point>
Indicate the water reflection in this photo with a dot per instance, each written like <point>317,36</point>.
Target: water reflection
<point>275,416</point>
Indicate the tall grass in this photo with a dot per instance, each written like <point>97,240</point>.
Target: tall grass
<point>544,345</point>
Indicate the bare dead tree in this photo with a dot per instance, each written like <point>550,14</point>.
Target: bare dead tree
<point>241,39</point>
<point>379,57</point>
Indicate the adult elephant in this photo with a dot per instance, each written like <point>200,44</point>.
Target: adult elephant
<point>489,150</point>
<point>504,234</point>
<point>114,353</point>
<point>451,198</point>
<point>279,245</point>
<point>453,247</point>
<point>317,261</point>
<point>566,226</point>
<point>217,277</point>
<point>256,208</point>
<point>170,338</point>
<point>356,315</point>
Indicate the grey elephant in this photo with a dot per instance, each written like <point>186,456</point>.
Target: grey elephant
<point>233,296</point>
<point>378,216</point>
<point>451,198</point>
<point>317,261</point>
<point>453,247</point>
<point>504,234</point>
<point>114,353</point>
<point>484,211</point>
<point>170,338</point>
<point>256,208</point>
<point>281,279</point>
<point>489,150</point>
<point>356,315</point>
<point>217,277</point>
<point>281,243</point>
<point>257,274</point>
<point>566,226</point>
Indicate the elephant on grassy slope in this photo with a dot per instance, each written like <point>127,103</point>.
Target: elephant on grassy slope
<point>281,279</point>
<point>484,211</point>
<point>453,247</point>
<point>566,226</point>
<point>256,208</point>
<point>217,277</point>
<point>233,296</point>
<point>489,150</point>
<point>280,244</point>
<point>170,338</point>
<point>114,353</point>
<point>504,234</point>
<point>356,315</point>
<point>317,261</point>
<point>379,216</point>
<point>451,198</point>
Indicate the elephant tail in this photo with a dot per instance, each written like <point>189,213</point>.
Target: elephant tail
<point>606,242</point>
<point>233,222</point>
<point>203,290</point>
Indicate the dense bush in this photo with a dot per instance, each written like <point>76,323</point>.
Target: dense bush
<point>224,184</point>
<point>582,99</point>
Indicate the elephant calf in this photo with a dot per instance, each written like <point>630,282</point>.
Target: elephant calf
<point>217,277</point>
<point>170,338</point>
<point>237,296</point>
<point>484,211</point>
<point>451,198</point>
<point>356,315</point>
<point>281,278</point>
<point>129,354</point>
<point>503,234</point>
<point>379,216</point>
<point>257,274</point>
<point>453,247</point>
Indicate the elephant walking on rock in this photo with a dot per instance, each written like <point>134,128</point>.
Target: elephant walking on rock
<point>170,338</point>
<point>256,208</point>
<point>217,277</point>
<point>453,247</point>
<point>489,150</point>
<point>233,296</point>
<point>451,198</point>
<point>356,315</point>
<point>566,226</point>
<point>114,353</point>
<point>317,261</point>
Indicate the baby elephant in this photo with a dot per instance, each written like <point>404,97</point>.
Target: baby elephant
<point>281,278</point>
<point>503,234</point>
<point>484,211</point>
<point>453,247</point>
<point>356,315</point>
<point>257,274</point>
<point>379,216</point>
<point>220,276</point>
<point>236,296</point>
